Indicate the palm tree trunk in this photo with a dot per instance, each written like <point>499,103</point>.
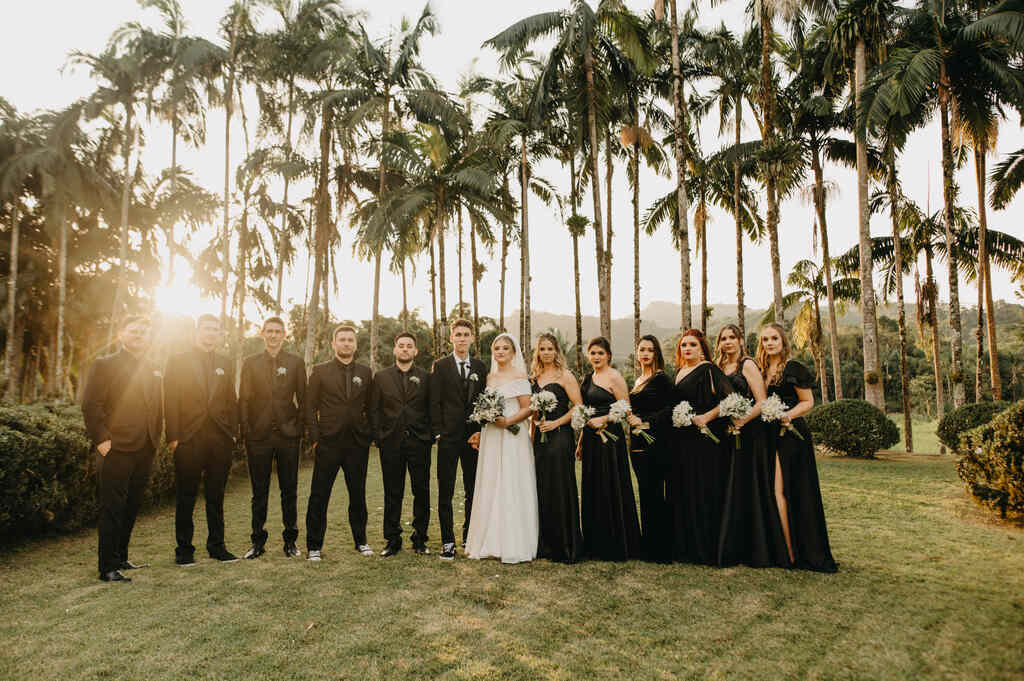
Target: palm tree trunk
<point>459,253</point>
<point>985,274</point>
<point>873,387</point>
<point>771,190</point>
<point>474,268</point>
<point>636,242</point>
<point>741,311</point>
<point>320,239</point>
<point>122,279</point>
<point>504,270</point>
<point>979,337</point>
<point>574,200</point>
<point>525,313</point>
<point>826,259</point>
<point>604,283</point>
<point>62,296</point>
<point>901,315</point>
<point>435,332</point>
<point>948,190</point>
<point>682,200</point>
<point>378,248</point>
<point>284,217</point>
<point>441,288</point>
<point>933,321</point>
<point>609,166</point>
<point>375,327</point>
<point>225,228</point>
<point>819,352</point>
<point>174,184</point>
<point>405,300</point>
<point>12,294</point>
<point>703,245</point>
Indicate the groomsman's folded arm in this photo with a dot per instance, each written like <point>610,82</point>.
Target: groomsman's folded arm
<point>94,401</point>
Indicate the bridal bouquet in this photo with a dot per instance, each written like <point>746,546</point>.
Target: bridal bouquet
<point>581,413</point>
<point>618,412</point>
<point>488,407</point>
<point>543,402</point>
<point>682,416</point>
<point>773,409</point>
<point>735,406</point>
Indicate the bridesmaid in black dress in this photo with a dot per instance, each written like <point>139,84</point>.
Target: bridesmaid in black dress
<point>795,480</point>
<point>611,530</point>
<point>750,530</point>
<point>696,480</point>
<point>651,392</point>
<point>557,500</point>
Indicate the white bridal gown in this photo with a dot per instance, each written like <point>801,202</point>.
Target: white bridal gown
<point>504,523</point>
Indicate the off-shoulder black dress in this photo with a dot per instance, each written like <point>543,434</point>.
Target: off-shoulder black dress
<point>611,529</point>
<point>807,529</point>
<point>698,467</point>
<point>751,533</point>
<point>650,465</point>
<point>557,496</point>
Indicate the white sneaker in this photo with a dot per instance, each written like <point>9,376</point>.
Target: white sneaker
<point>365,549</point>
<point>314,556</point>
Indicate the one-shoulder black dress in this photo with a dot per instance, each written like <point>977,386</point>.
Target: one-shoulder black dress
<point>650,465</point>
<point>611,529</point>
<point>699,465</point>
<point>751,533</point>
<point>807,529</point>
<point>557,495</point>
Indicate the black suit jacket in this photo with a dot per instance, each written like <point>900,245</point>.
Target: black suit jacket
<point>107,405</point>
<point>267,395</point>
<point>193,393</point>
<point>396,409</point>
<point>451,398</point>
<point>330,412</point>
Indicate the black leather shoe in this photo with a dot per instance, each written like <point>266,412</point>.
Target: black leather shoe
<point>448,551</point>
<point>224,556</point>
<point>128,565</point>
<point>114,576</point>
<point>421,550</point>
<point>254,552</point>
<point>291,550</point>
<point>185,561</point>
<point>390,550</point>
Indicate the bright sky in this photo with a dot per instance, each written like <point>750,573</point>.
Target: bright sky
<point>35,49</point>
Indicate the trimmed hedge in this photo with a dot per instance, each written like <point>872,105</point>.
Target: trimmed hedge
<point>959,421</point>
<point>852,427</point>
<point>48,474</point>
<point>992,460</point>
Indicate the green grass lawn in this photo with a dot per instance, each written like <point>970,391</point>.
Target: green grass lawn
<point>930,587</point>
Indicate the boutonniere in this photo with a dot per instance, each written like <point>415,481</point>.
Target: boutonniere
<point>473,377</point>
<point>281,371</point>
<point>356,380</point>
<point>157,374</point>
<point>218,371</point>
<point>414,379</point>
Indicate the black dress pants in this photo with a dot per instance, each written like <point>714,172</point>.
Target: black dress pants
<point>449,455</point>
<point>207,456</point>
<point>332,454</point>
<point>261,456</point>
<point>122,481</point>
<point>394,460</point>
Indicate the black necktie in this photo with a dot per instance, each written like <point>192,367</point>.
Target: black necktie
<point>462,370</point>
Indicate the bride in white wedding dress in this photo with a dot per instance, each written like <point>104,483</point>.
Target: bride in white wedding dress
<point>504,523</point>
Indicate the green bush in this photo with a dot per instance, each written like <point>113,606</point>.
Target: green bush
<point>959,421</point>
<point>47,472</point>
<point>852,427</point>
<point>992,460</point>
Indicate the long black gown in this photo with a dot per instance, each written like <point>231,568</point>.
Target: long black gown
<point>807,529</point>
<point>557,501</point>
<point>751,533</point>
<point>611,530</point>
<point>650,465</point>
<point>696,479</point>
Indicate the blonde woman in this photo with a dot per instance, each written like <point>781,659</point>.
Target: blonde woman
<point>795,480</point>
<point>553,444</point>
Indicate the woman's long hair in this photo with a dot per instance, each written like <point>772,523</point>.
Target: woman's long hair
<point>701,338</point>
<point>764,361</point>
<point>719,355</point>
<point>659,359</point>
<point>536,368</point>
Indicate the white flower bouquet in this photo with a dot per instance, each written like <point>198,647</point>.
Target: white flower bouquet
<point>581,413</point>
<point>735,406</point>
<point>682,416</point>
<point>488,407</point>
<point>543,402</point>
<point>773,409</point>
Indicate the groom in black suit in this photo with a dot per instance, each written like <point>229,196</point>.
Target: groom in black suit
<point>271,399</point>
<point>456,381</point>
<point>400,420</point>
<point>201,408</point>
<point>123,409</point>
<point>339,428</point>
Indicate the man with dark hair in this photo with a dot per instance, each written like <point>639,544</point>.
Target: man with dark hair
<point>270,400</point>
<point>454,383</point>
<point>123,409</point>
<point>339,428</point>
<point>400,420</point>
<point>202,423</point>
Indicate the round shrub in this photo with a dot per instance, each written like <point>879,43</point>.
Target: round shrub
<point>852,427</point>
<point>992,460</point>
<point>969,416</point>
